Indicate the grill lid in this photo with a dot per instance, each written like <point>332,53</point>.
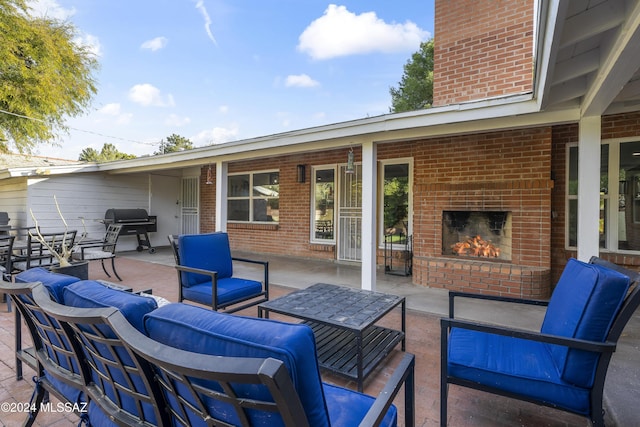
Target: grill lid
<point>115,216</point>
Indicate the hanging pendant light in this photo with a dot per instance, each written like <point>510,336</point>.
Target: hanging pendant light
<point>209,176</point>
<point>350,162</point>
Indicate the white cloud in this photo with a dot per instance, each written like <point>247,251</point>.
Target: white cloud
<point>224,109</point>
<point>155,44</point>
<point>300,80</point>
<point>207,20</point>
<point>340,32</point>
<point>112,109</point>
<point>91,42</point>
<point>217,135</point>
<point>148,95</point>
<point>177,121</point>
<point>50,9</point>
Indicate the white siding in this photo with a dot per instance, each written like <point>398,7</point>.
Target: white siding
<point>86,196</point>
<point>13,200</point>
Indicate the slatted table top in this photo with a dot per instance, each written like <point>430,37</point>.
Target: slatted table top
<point>339,306</point>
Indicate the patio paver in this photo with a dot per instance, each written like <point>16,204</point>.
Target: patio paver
<point>467,407</point>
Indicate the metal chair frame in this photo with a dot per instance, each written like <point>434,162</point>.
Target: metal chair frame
<point>107,249</point>
<point>605,349</point>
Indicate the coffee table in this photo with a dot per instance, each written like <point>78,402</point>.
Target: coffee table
<point>348,341</point>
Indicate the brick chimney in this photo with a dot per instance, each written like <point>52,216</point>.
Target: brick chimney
<point>483,49</point>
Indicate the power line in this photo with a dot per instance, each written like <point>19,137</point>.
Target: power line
<point>82,130</point>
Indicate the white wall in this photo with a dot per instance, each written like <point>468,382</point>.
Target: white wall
<point>89,195</point>
<point>13,200</point>
<point>165,204</point>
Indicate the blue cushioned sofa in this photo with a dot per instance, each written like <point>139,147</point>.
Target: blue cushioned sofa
<point>564,364</point>
<point>198,365</point>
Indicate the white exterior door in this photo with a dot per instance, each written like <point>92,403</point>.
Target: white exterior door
<point>350,215</point>
<point>190,209</point>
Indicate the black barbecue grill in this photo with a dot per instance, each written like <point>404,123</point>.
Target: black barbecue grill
<point>134,221</point>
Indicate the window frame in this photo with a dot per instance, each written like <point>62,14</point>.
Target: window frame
<point>251,197</point>
<point>610,198</point>
<point>381,164</point>
<point>312,204</point>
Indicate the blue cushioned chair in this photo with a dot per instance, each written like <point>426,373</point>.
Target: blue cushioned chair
<point>52,356</point>
<point>55,283</point>
<point>564,365</point>
<point>205,273</point>
<point>121,390</point>
<point>310,402</point>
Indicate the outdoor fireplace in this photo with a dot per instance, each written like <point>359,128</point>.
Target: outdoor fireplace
<point>477,234</point>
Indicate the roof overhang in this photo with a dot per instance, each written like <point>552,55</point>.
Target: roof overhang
<point>496,114</point>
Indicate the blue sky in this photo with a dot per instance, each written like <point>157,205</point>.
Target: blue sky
<point>222,70</point>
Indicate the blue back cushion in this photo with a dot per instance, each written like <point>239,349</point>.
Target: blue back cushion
<point>54,282</point>
<point>583,305</point>
<point>91,294</point>
<point>206,251</point>
<point>204,331</point>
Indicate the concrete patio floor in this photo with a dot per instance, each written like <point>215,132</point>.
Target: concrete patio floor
<point>425,306</point>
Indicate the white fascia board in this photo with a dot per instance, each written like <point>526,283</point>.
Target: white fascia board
<point>551,19</point>
<point>499,113</point>
<point>45,171</point>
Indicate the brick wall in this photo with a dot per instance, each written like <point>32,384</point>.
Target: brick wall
<point>483,49</point>
<point>507,171</point>
<point>499,171</point>
<point>291,236</point>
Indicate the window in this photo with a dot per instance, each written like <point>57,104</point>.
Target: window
<point>253,197</point>
<point>396,201</point>
<point>323,215</point>
<point>619,196</point>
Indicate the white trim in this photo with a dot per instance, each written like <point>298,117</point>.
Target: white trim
<point>222,178</point>
<point>369,209</point>
<point>381,165</point>
<point>589,184</point>
<point>312,204</point>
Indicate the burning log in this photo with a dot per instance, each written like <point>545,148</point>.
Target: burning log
<point>476,246</point>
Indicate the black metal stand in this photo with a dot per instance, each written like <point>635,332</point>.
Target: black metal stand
<point>404,256</point>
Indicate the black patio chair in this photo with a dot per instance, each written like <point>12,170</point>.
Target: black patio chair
<point>6,269</point>
<point>36,252</point>
<point>58,369</point>
<point>102,251</point>
<point>565,364</point>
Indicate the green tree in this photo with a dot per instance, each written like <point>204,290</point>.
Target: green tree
<point>44,76</point>
<point>415,90</point>
<point>174,143</point>
<point>108,153</point>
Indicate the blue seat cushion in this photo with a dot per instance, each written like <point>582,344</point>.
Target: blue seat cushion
<point>229,290</point>
<point>204,331</point>
<point>347,407</point>
<point>72,394</point>
<point>583,305</point>
<point>208,251</point>
<point>515,365</point>
<point>54,282</point>
<point>92,294</point>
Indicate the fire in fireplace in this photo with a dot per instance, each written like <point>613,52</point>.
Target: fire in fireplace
<point>484,234</point>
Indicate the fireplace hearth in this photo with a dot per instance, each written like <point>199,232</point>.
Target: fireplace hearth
<point>477,234</point>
